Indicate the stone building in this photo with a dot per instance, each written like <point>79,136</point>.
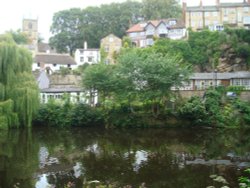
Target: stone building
<point>111,45</point>
<point>215,17</point>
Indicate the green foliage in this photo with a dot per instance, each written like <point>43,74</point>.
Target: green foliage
<point>244,181</point>
<point>194,110</point>
<point>17,83</point>
<point>19,37</point>
<point>159,9</point>
<point>244,110</point>
<point>66,114</point>
<point>72,27</point>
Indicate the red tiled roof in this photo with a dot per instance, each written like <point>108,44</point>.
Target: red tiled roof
<point>136,28</point>
<point>140,26</point>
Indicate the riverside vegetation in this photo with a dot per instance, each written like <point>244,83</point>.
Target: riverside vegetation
<point>136,92</point>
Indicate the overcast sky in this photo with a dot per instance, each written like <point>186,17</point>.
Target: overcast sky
<point>13,11</point>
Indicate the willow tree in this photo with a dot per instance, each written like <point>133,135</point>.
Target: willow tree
<point>18,90</point>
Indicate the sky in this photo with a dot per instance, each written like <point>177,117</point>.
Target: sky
<point>12,12</point>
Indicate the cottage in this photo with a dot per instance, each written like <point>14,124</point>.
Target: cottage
<point>52,62</point>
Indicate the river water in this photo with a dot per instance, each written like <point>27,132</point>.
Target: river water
<point>171,158</point>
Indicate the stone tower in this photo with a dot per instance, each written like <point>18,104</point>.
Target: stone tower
<point>30,27</point>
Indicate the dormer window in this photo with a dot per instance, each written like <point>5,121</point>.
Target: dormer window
<point>54,65</point>
<point>172,22</point>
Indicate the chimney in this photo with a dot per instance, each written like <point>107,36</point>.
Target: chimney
<point>85,45</point>
<point>184,9</point>
<point>248,1</point>
<point>201,4</point>
<point>217,2</point>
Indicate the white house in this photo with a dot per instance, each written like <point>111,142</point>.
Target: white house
<point>142,34</point>
<point>56,86</point>
<point>85,55</point>
<point>52,62</point>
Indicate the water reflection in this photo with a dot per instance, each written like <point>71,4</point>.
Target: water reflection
<point>160,158</point>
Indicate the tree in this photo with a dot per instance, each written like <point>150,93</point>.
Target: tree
<point>66,27</point>
<point>160,9</point>
<point>99,78</point>
<point>72,27</point>
<point>18,89</point>
<point>19,36</point>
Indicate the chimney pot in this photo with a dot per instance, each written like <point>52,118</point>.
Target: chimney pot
<point>85,45</point>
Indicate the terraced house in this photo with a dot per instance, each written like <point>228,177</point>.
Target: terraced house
<point>143,34</point>
<point>217,16</point>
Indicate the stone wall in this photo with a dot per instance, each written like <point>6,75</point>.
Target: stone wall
<point>245,95</point>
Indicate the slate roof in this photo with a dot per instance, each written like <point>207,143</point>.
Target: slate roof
<point>61,59</point>
<point>141,26</point>
<point>216,7</point>
<point>45,47</point>
<point>220,76</point>
<point>61,90</point>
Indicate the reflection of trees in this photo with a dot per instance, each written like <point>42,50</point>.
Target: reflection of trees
<point>18,158</point>
<point>113,155</point>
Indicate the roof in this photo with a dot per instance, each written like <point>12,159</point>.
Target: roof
<point>203,8</point>
<point>220,76</point>
<point>135,28</point>
<point>111,34</point>
<point>61,59</point>
<point>141,26</point>
<point>61,90</point>
<point>88,49</point>
<point>216,7</point>
<point>45,47</point>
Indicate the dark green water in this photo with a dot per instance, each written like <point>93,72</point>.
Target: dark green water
<point>171,158</point>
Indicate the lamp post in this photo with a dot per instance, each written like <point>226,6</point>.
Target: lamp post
<point>215,71</point>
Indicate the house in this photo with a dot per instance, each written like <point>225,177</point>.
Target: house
<point>143,34</point>
<point>87,55</point>
<point>52,62</point>
<point>215,17</point>
<point>111,45</point>
<point>56,86</point>
<point>202,81</point>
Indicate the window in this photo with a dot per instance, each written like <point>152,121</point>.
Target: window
<point>106,61</point>
<point>193,24</point>
<point>172,22</point>
<point>246,9</point>
<point>90,59</point>
<point>81,59</point>
<point>207,14</point>
<point>68,65</point>
<point>225,12</point>
<point>54,65</point>
<point>38,64</point>
<point>106,49</point>
<point>150,42</point>
<point>30,25</point>
<point>207,22</point>
<point>111,39</point>
<point>245,82</point>
<point>236,82</point>
<point>215,14</point>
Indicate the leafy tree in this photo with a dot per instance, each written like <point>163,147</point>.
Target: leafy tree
<point>19,92</point>
<point>72,27</point>
<point>99,78</point>
<point>159,9</point>
<point>19,37</point>
<point>66,28</point>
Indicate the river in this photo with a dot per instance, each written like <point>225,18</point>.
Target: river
<point>182,158</point>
